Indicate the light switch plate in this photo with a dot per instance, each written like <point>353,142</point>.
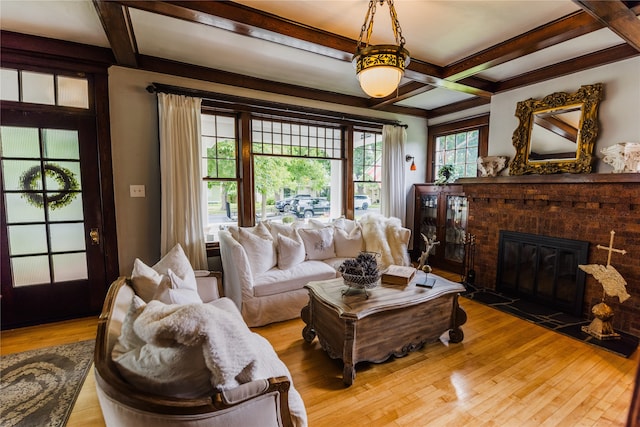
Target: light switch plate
<point>136,191</point>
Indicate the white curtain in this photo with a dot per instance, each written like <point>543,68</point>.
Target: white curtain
<point>393,197</point>
<point>180,177</point>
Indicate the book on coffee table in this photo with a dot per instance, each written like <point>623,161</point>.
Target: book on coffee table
<point>398,275</point>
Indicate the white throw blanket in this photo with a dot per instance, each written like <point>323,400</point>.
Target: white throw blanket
<point>226,342</point>
<point>233,354</point>
<point>387,237</point>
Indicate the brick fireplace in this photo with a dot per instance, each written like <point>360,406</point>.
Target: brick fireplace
<point>584,207</point>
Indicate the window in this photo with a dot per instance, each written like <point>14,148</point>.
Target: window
<point>460,150</point>
<point>220,176</point>
<point>44,88</point>
<point>275,163</point>
<point>297,169</point>
<point>458,144</point>
<point>367,171</point>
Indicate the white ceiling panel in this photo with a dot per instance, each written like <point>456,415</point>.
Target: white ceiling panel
<point>583,45</point>
<point>434,98</point>
<point>223,50</point>
<point>74,20</point>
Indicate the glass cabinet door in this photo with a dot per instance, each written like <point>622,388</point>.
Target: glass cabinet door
<point>429,219</point>
<point>455,228</point>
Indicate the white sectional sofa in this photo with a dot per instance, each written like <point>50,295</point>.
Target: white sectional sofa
<point>266,267</point>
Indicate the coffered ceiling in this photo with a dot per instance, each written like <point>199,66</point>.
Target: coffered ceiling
<point>462,52</point>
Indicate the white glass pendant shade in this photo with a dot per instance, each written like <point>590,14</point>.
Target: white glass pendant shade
<point>380,81</point>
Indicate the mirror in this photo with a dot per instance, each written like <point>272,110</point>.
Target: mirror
<point>557,133</point>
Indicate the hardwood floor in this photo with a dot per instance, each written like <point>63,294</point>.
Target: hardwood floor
<point>506,372</point>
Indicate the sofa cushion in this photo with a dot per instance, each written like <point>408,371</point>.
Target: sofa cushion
<point>176,291</point>
<point>318,244</point>
<point>348,244</point>
<point>276,281</point>
<point>290,252</point>
<point>260,250</point>
<point>345,224</point>
<point>145,279</point>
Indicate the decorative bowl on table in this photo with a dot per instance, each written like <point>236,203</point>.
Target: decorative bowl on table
<point>360,273</point>
<point>361,282</point>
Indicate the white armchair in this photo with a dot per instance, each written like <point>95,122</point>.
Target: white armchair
<point>262,402</point>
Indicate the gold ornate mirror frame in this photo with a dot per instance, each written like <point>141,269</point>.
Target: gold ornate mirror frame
<point>583,134</point>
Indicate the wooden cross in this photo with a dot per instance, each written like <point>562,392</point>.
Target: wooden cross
<point>611,248</point>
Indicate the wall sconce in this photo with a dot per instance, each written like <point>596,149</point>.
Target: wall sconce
<point>408,159</point>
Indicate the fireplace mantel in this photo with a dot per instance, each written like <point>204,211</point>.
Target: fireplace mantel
<point>592,178</point>
<point>581,206</point>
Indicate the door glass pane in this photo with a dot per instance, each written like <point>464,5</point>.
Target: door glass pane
<point>73,92</point>
<point>16,171</point>
<point>69,267</point>
<point>38,88</point>
<point>18,210</point>
<point>9,85</point>
<point>19,142</point>
<point>63,176</point>
<point>32,270</point>
<point>60,144</point>
<point>27,239</point>
<point>67,237</point>
<point>70,212</point>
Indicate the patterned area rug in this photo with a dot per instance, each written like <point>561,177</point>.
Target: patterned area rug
<point>552,319</point>
<point>40,387</point>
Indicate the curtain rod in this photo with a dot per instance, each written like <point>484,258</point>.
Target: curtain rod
<point>270,105</point>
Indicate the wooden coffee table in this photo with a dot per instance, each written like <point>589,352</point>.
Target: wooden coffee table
<point>392,321</point>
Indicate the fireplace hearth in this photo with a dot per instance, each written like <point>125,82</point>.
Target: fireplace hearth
<point>542,269</point>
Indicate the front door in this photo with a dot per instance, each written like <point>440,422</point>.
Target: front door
<point>53,265</point>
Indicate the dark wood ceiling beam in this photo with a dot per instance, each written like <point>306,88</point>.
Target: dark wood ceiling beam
<point>251,22</point>
<point>617,16</point>
<point>180,69</point>
<point>116,26</point>
<point>405,91</point>
<point>558,31</point>
<point>570,66</point>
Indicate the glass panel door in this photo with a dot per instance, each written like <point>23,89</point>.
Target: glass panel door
<point>455,228</point>
<point>53,262</point>
<point>429,220</point>
<point>43,190</point>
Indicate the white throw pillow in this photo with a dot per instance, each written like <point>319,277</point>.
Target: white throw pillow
<point>145,279</point>
<point>348,245</point>
<point>290,252</point>
<point>318,244</point>
<point>345,224</point>
<point>278,229</point>
<point>175,291</point>
<point>260,251</point>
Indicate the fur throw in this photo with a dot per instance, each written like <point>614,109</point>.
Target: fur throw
<point>225,340</point>
<point>189,350</point>
<point>387,237</point>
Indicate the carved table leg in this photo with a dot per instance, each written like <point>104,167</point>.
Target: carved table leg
<point>349,370</point>
<point>459,318</point>
<point>308,333</point>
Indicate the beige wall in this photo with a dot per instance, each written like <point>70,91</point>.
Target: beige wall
<point>134,140</point>
<point>618,113</point>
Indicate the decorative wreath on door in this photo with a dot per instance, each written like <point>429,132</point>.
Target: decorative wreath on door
<point>63,176</point>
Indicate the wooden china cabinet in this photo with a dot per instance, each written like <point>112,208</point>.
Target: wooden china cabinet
<point>441,212</point>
